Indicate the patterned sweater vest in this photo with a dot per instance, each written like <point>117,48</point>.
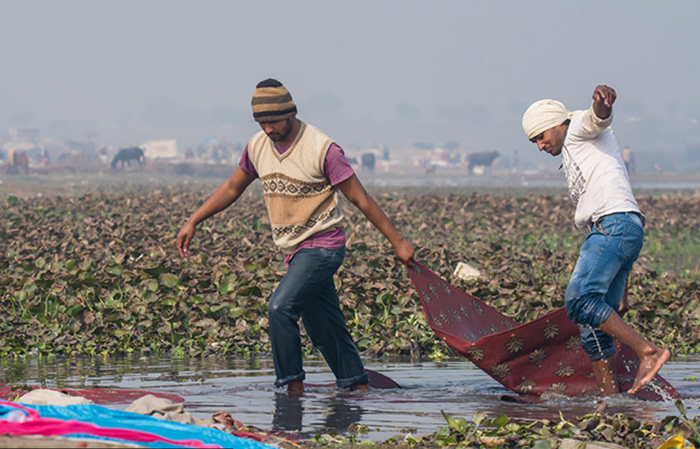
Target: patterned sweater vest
<point>300,200</point>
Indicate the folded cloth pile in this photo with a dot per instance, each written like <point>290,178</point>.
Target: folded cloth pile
<point>87,421</point>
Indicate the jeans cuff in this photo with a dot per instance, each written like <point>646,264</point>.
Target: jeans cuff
<point>596,355</point>
<point>349,382</point>
<point>289,379</point>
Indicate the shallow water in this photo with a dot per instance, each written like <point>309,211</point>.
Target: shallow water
<point>244,388</point>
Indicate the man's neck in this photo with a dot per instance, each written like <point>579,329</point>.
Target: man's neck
<point>289,138</point>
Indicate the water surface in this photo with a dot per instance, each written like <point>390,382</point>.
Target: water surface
<point>244,388</point>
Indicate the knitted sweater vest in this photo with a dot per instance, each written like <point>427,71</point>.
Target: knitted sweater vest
<point>300,200</point>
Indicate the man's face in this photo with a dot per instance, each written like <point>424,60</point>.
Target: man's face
<point>278,130</point>
<point>551,140</point>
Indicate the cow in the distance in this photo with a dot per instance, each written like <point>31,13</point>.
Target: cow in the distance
<point>368,160</point>
<point>127,155</point>
<point>484,159</point>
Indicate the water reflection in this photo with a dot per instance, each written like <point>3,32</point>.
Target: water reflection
<point>341,415</point>
<point>289,413</point>
<point>244,387</point>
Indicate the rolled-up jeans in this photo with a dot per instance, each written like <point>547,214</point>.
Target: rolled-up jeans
<point>598,282</point>
<point>308,290</point>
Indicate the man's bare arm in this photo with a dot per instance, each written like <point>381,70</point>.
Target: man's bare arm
<point>223,197</point>
<point>355,192</point>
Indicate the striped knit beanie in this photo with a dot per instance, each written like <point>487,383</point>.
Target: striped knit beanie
<point>272,102</point>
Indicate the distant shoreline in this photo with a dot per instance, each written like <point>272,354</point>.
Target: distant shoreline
<point>413,178</point>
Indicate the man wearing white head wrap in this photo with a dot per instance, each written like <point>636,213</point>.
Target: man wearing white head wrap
<point>606,210</point>
<point>542,115</point>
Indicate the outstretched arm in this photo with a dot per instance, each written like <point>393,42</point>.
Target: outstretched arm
<point>223,197</point>
<point>603,99</point>
<point>355,192</point>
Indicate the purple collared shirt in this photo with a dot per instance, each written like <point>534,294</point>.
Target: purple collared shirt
<point>337,169</point>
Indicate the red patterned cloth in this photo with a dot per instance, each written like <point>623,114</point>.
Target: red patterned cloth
<point>542,356</point>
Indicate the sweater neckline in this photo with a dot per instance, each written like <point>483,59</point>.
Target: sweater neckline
<point>283,156</point>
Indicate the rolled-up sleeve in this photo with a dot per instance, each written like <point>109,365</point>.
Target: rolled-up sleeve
<point>593,125</point>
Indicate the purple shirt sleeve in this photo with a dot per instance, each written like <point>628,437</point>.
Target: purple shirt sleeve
<point>246,165</point>
<point>336,167</point>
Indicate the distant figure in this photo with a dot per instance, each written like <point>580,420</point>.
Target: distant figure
<point>127,155</point>
<point>628,159</point>
<point>484,159</point>
<point>45,158</point>
<point>368,160</point>
<point>189,154</point>
<point>16,161</point>
<point>102,155</point>
<point>11,156</point>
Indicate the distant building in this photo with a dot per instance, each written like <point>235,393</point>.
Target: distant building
<point>160,149</point>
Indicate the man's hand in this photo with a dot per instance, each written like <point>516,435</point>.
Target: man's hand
<point>184,237</point>
<point>603,99</point>
<point>404,251</point>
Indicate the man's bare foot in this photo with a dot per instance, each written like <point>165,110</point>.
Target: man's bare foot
<point>360,387</point>
<point>649,365</point>
<point>295,388</point>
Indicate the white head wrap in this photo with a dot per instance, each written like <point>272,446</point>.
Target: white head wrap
<point>542,115</point>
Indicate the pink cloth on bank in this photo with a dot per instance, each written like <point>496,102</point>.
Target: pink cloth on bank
<point>36,425</point>
<point>337,169</point>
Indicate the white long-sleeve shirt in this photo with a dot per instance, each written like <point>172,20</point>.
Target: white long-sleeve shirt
<point>595,173</point>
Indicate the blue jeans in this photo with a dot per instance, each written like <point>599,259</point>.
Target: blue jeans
<point>307,290</point>
<point>598,282</point>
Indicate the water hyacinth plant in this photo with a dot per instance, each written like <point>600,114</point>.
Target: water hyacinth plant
<point>99,273</point>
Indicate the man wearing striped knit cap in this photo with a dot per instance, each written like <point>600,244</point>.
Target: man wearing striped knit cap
<point>301,171</point>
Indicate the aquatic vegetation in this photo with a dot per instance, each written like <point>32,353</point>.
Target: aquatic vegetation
<point>99,273</point>
<point>502,431</point>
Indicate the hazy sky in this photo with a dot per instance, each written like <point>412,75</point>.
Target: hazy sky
<point>366,72</point>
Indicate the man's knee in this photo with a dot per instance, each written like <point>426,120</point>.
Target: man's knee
<point>280,308</point>
<point>589,309</point>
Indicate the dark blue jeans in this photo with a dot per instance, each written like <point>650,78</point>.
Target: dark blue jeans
<point>598,282</point>
<point>307,290</point>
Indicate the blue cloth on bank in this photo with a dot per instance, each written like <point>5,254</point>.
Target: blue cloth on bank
<point>108,418</point>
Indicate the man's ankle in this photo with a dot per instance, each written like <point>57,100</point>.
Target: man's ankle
<point>295,388</point>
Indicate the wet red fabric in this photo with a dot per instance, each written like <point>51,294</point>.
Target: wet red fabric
<point>541,356</point>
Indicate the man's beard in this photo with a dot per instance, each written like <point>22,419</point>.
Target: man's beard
<point>276,137</point>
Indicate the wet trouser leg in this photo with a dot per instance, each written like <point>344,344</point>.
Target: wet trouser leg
<point>307,290</point>
<point>598,282</point>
